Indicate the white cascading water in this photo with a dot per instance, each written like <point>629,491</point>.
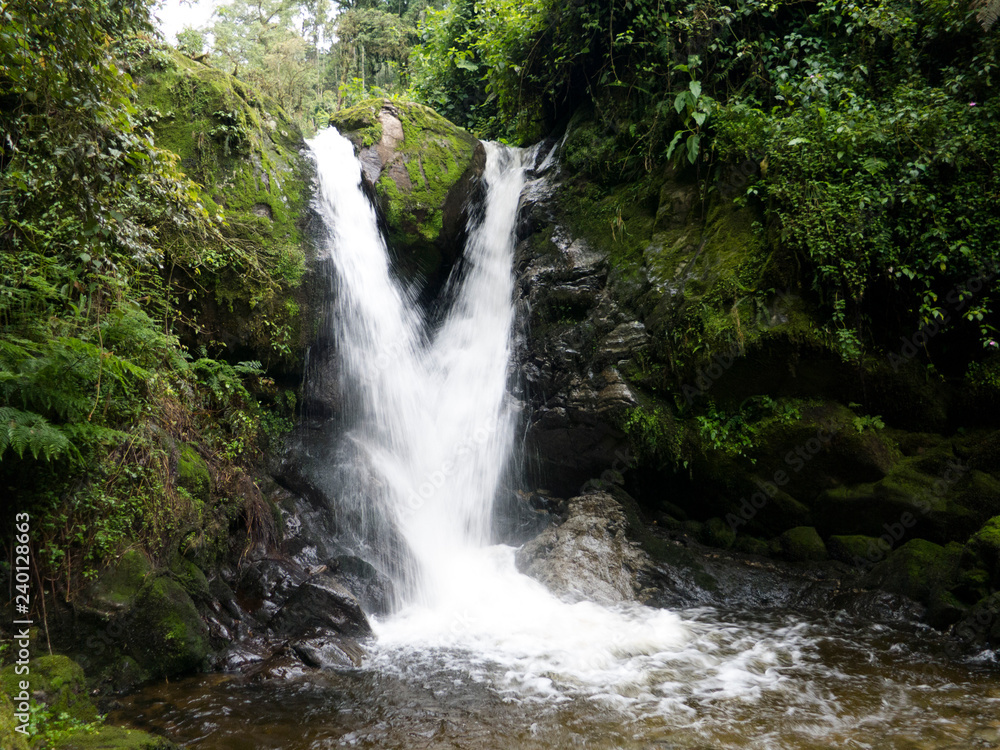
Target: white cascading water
<point>433,424</point>
<point>432,434</point>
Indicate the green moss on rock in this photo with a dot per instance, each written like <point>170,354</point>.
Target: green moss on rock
<point>244,152</point>
<point>919,569</point>
<point>422,168</point>
<point>191,578</point>
<point>117,587</point>
<point>802,544</point>
<point>751,545</point>
<point>717,533</point>
<point>360,123</point>
<point>914,493</point>
<point>112,738</point>
<point>857,549</point>
<point>59,682</point>
<point>192,473</point>
<point>164,632</point>
<point>10,738</point>
<point>983,549</point>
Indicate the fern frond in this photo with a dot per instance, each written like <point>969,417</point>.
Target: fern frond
<point>988,13</point>
<point>90,434</point>
<point>23,431</point>
<point>251,367</point>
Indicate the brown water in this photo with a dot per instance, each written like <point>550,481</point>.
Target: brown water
<point>775,682</point>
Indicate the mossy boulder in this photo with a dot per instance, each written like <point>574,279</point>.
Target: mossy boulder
<point>192,473</point>
<point>707,262</point>
<point>58,682</point>
<point>973,584</point>
<point>245,152</point>
<point>423,170</point>
<point>717,533</point>
<point>816,444</point>
<point>802,544</point>
<point>124,675</point>
<point>164,632</point>
<point>751,545</point>
<point>857,549</point>
<point>112,738</point>
<point>933,496</point>
<point>10,738</point>
<point>191,578</point>
<point>983,550</point>
<point>918,568</point>
<point>118,586</point>
<point>779,461</point>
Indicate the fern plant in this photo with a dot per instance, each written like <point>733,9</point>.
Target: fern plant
<point>25,431</point>
<point>988,13</point>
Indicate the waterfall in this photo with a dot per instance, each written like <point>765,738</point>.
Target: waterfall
<point>430,427</point>
<point>429,434</point>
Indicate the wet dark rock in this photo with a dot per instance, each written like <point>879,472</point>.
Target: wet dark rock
<point>282,666</point>
<point>290,471</point>
<point>325,651</point>
<point>224,599</point>
<point>322,396</point>
<point>577,336</point>
<point>243,655</point>
<point>321,603</point>
<point>521,516</point>
<point>328,522</point>
<point>265,584</point>
<point>979,628</point>
<point>373,590</point>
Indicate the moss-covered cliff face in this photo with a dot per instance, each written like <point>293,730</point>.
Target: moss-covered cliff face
<point>247,155</point>
<point>675,345</point>
<point>424,171</point>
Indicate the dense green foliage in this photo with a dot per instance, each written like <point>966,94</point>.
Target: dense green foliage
<point>869,129</point>
<point>97,396</point>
